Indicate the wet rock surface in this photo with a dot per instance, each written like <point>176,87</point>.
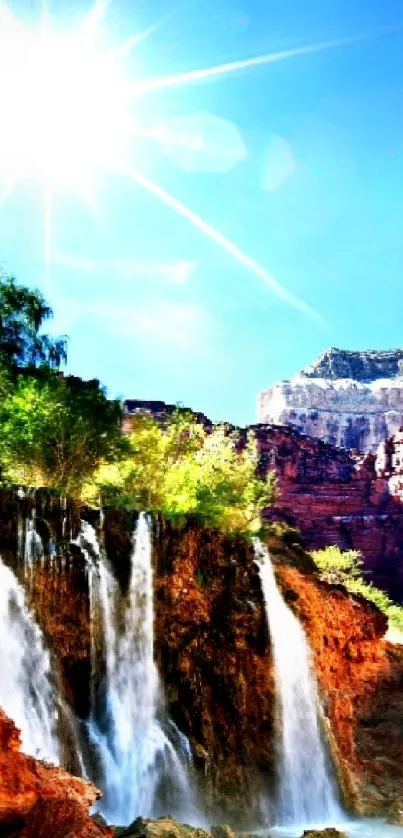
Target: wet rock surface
<point>161,828</point>
<point>323,833</point>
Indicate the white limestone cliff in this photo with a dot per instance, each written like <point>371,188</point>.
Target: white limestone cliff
<point>351,399</point>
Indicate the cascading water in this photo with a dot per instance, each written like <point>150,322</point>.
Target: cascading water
<point>26,691</point>
<point>307,793</point>
<point>144,760</point>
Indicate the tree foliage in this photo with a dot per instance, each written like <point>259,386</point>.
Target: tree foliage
<point>23,312</point>
<point>55,431</point>
<point>345,568</point>
<point>65,434</point>
<point>181,470</point>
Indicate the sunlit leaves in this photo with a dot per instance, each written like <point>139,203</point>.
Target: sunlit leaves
<point>181,470</point>
<point>54,432</point>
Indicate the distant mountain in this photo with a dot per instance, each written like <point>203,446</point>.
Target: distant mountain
<point>366,366</point>
<point>350,399</point>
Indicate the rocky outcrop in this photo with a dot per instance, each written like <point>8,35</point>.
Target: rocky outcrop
<point>365,366</point>
<point>351,399</point>
<point>323,833</point>
<point>164,828</point>
<point>38,800</point>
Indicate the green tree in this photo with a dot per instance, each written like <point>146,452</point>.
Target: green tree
<point>23,346</point>
<point>56,431</point>
<point>181,470</point>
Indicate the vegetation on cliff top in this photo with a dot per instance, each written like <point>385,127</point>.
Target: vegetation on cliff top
<point>63,433</point>
<point>338,567</point>
<point>181,470</point>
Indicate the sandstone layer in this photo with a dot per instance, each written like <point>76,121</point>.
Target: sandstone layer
<point>351,399</point>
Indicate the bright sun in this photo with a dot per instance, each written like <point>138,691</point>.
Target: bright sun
<point>66,110</point>
<point>65,107</point>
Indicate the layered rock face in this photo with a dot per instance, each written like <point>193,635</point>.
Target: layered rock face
<point>349,399</point>
<point>335,497</point>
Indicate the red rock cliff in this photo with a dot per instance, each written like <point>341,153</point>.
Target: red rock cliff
<point>213,652</point>
<point>336,497</point>
<point>215,655</point>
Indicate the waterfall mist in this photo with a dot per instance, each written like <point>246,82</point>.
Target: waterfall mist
<point>307,793</point>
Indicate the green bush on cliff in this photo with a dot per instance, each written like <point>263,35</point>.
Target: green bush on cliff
<point>340,567</point>
<point>180,470</point>
<point>55,431</point>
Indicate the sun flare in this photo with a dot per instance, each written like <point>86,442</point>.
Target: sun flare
<point>68,116</point>
<point>65,106</point>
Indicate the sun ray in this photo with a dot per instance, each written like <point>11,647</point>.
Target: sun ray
<point>134,40</point>
<point>226,244</point>
<point>7,190</point>
<point>6,14</point>
<point>44,13</point>
<point>177,79</point>
<point>91,22</point>
<point>47,232</point>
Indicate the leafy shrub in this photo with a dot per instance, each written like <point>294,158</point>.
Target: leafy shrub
<point>55,431</point>
<point>180,470</point>
<point>344,568</point>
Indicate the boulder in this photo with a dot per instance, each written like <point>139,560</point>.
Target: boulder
<point>330,832</point>
<point>165,827</point>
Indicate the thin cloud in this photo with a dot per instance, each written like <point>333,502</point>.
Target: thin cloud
<point>77,262</point>
<point>170,271</point>
<point>159,322</point>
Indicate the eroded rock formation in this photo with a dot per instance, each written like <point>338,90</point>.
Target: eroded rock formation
<point>350,399</point>
<point>38,800</point>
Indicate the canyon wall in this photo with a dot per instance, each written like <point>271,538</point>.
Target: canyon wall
<point>351,399</point>
<point>337,497</point>
<point>331,494</point>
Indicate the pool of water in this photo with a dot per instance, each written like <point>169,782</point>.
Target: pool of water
<point>363,828</point>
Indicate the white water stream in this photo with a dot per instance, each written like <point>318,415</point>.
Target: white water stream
<point>27,694</point>
<point>306,793</point>
<point>144,760</point>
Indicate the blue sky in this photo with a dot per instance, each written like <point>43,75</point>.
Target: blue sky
<point>298,162</point>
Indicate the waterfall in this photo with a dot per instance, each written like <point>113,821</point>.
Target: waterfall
<point>26,692</point>
<point>143,760</point>
<point>307,793</point>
